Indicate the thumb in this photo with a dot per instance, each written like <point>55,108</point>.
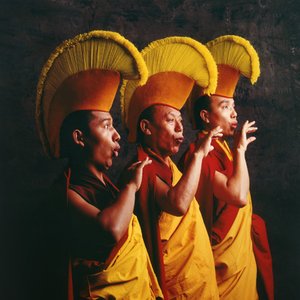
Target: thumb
<point>251,139</point>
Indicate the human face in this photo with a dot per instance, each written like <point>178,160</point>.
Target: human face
<point>166,131</point>
<point>222,113</point>
<point>102,140</point>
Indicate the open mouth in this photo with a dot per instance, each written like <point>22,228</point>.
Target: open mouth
<point>116,151</point>
<point>179,140</point>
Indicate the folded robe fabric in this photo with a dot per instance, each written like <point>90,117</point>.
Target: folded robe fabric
<point>121,271</point>
<point>219,217</point>
<point>179,247</point>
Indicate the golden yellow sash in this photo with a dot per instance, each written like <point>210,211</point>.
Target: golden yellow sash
<point>234,257</point>
<point>128,276</point>
<point>187,254</point>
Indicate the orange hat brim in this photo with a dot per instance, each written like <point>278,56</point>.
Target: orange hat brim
<point>87,90</point>
<point>228,78</point>
<point>166,88</point>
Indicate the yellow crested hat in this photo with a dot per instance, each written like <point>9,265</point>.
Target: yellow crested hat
<point>175,65</point>
<point>234,56</point>
<point>83,73</point>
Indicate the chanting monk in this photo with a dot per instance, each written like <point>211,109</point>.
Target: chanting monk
<point>171,222</point>
<point>76,90</point>
<point>223,190</point>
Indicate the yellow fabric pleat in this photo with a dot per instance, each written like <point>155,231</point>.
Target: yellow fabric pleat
<point>127,276</point>
<point>187,254</point>
<point>226,149</point>
<point>236,52</point>
<point>234,258</point>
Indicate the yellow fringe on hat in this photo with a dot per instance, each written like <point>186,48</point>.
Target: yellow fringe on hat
<point>180,54</point>
<point>236,52</point>
<point>97,49</point>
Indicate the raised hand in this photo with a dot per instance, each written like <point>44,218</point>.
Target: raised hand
<point>204,145</point>
<point>136,172</point>
<point>241,139</point>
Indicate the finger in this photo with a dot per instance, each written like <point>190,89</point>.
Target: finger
<point>251,139</point>
<point>245,125</point>
<point>251,129</point>
<point>216,132</point>
<point>249,124</point>
<point>217,129</point>
<point>145,162</point>
<point>134,165</point>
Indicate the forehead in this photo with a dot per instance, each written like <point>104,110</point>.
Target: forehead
<point>217,100</point>
<point>97,115</point>
<point>162,111</point>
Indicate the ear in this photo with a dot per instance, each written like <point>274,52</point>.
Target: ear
<point>145,126</point>
<point>78,137</point>
<point>204,115</point>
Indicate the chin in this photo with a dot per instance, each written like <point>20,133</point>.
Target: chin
<point>174,150</point>
<point>108,165</point>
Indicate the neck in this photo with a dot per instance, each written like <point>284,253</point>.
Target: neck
<point>161,157</point>
<point>78,167</point>
<point>222,139</point>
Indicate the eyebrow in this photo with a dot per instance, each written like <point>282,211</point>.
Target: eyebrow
<point>105,119</point>
<point>171,113</point>
<point>225,101</point>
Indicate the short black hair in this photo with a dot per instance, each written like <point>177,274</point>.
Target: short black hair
<point>148,115</point>
<point>75,120</point>
<point>201,103</point>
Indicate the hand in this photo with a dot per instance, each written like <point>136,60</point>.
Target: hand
<point>241,140</point>
<point>204,145</point>
<point>136,172</point>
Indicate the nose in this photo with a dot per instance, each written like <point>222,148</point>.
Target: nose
<point>116,136</point>
<point>233,113</point>
<point>178,126</point>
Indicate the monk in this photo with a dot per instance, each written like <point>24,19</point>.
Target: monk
<point>223,196</point>
<point>77,87</point>
<point>173,228</point>
<point>109,256</point>
<point>238,238</point>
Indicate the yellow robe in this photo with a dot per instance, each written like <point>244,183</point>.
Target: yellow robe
<point>128,276</point>
<point>232,245</point>
<point>235,261</point>
<point>234,257</point>
<point>188,259</point>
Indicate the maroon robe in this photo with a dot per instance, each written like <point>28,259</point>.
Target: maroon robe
<point>219,216</point>
<point>92,250</point>
<point>148,212</point>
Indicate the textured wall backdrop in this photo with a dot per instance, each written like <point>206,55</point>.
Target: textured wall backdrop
<point>29,30</point>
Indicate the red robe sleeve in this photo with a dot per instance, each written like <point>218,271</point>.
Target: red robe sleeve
<point>148,211</point>
<point>218,216</point>
<point>263,256</point>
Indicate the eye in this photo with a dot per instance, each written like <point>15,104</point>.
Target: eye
<point>107,125</point>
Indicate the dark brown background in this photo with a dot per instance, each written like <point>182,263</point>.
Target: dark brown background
<point>31,243</point>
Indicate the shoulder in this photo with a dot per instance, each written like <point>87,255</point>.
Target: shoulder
<point>85,193</point>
